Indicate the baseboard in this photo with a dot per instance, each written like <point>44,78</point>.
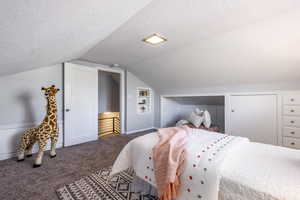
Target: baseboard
<point>140,130</point>
<point>80,140</point>
<point>4,156</point>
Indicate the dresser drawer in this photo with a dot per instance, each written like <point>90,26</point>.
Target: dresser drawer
<point>291,110</point>
<point>291,121</point>
<point>291,142</point>
<point>291,132</point>
<point>291,99</point>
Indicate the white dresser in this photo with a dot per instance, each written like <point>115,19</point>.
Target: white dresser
<point>291,121</point>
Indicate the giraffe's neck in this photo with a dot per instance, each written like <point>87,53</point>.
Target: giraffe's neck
<point>51,110</point>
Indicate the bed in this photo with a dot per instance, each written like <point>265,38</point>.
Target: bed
<point>245,171</point>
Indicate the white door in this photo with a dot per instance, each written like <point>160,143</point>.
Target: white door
<point>254,117</point>
<point>81,104</point>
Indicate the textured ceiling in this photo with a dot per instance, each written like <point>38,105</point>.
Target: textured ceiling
<point>210,43</point>
<point>37,33</point>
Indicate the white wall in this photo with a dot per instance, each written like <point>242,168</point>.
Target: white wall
<point>137,121</point>
<point>22,104</point>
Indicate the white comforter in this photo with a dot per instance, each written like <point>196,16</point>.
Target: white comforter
<point>250,171</point>
<point>205,154</point>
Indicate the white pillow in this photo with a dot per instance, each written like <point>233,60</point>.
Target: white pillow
<point>182,122</point>
<point>207,119</point>
<point>196,120</point>
<point>199,112</point>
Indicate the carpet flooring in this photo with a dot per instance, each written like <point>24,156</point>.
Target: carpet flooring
<point>21,181</point>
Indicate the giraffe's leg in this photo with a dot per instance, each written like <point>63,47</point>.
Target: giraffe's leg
<point>39,159</point>
<point>29,149</point>
<point>53,145</point>
<point>22,148</point>
<point>21,152</point>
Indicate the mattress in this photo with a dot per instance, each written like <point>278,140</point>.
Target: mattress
<point>254,172</point>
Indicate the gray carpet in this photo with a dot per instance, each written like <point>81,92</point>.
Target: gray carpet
<point>21,181</point>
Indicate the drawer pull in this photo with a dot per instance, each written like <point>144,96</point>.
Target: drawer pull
<point>293,133</point>
<point>292,121</point>
<point>292,99</point>
<point>292,143</point>
<point>292,111</point>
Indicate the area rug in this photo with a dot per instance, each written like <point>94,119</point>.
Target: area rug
<point>98,186</point>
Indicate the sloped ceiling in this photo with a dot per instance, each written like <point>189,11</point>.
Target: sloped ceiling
<point>210,43</point>
<point>37,33</point>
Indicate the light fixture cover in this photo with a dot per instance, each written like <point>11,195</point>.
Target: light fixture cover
<point>155,39</point>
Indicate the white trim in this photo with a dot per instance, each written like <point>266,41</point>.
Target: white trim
<point>194,95</point>
<point>22,125</point>
<point>140,130</point>
<point>272,92</point>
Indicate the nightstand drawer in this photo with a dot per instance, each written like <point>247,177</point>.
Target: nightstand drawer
<point>291,121</point>
<point>291,110</point>
<point>291,99</point>
<point>291,132</point>
<point>291,142</point>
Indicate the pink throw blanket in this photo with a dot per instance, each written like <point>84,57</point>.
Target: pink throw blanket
<point>168,158</point>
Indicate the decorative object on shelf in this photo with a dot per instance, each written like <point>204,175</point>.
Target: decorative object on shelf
<point>40,134</point>
<point>144,96</point>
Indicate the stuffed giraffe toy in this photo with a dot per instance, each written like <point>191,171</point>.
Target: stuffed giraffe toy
<point>41,134</point>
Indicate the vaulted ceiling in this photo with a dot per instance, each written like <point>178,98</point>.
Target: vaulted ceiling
<point>37,33</point>
<point>210,43</point>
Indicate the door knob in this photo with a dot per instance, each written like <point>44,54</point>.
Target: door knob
<point>68,110</point>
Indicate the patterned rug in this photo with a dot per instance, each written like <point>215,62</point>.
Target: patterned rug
<point>97,186</point>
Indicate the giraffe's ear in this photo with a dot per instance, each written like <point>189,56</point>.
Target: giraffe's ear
<point>57,89</point>
<point>43,88</point>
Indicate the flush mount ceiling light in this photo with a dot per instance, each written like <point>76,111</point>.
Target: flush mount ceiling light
<point>155,39</point>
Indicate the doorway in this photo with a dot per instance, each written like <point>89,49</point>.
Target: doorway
<point>109,104</point>
<point>81,102</point>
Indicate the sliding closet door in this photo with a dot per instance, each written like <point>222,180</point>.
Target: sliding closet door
<point>254,117</point>
<point>81,104</point>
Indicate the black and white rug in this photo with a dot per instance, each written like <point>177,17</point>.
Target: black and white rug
<point>98,186</point>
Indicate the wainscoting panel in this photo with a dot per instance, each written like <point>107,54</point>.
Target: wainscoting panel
<point>10,138</point>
